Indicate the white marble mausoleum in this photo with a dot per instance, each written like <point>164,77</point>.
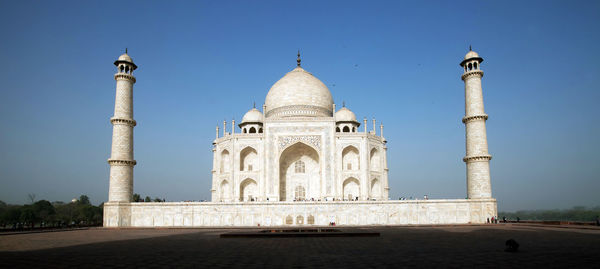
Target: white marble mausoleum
<point>299,161</point>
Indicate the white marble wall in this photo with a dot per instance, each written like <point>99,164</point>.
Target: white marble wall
<point>121,158</point>
<point>182,214</point>
<point>477,156</point>
<point>317,133</point>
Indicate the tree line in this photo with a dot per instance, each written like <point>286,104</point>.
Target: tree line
<point>578,213</point>
<point>138,198</point>
<point>43,213</point>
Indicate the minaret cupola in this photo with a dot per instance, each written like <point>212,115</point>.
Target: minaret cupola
<point>125,64</point>
<point>252,122</point>
<point>472,61</point>
<point>345,121</point>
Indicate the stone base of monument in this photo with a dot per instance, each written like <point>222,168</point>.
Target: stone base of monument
<point>308,232</point>
<point>306,214</point>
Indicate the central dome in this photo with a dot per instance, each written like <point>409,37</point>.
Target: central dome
<point>298,94</point>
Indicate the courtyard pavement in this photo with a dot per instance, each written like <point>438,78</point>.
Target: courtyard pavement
<point>479,246</point>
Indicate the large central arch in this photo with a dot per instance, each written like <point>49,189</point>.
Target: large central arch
<point>299,167</point>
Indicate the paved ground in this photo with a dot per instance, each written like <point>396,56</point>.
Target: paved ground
<point>459,246</point>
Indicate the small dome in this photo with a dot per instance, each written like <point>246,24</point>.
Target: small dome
<point>254,115</point>
<point>471,54</point>
<point>125,58</point>
<point>299,93</point>
<point>345,114</point>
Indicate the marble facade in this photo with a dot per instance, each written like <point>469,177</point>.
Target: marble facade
<point>299,162</point>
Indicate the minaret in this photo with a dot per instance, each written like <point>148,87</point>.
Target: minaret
<point>477,158</point>
<point>121,157</point>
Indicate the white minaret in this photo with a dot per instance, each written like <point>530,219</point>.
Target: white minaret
<point>121,157</point>
<point>477,158</point>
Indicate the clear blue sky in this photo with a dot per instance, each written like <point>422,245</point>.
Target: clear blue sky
<point>202,62</point>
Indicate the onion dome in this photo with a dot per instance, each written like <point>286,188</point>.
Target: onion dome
<point>253,116</point>
<point>345,115</point>
<point>299,94</point>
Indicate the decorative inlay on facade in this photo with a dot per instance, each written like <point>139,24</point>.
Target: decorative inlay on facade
<point>477,73</point>
<point>480,158</point>
<point>122,162</point>
<point>123,121</point>
<point>314,140</point>
<point>474,117</point>
<point>299,110</point>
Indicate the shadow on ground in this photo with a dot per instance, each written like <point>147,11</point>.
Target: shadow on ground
<point>396,247</point>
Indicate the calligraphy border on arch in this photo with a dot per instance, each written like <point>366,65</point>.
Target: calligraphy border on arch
<point>286,141</point>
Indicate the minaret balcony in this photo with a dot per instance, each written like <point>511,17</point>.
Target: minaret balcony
<point>472,73</point>
<point>124,76</point>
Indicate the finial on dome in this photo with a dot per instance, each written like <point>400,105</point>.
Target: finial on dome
<point>254,104</point>
<point>343,103</point>
<point>125,50</point>
<point>298,60</point>
<point>470,48</point>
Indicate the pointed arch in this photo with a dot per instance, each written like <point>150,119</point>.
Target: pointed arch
<point>289,179</point>
<point>224,190</point>
<point>248,159</point>
<point>248,190</point>
<point>375,188</point>
<point>350,158</point>
<point>252,130</point>
<point>351,188</point>
<point>346,129</point>
<point>225,161</point>
<point>337,129</point>
<point>374,160</point>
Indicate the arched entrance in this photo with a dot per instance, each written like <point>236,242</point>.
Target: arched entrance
<point>248,159</point>
<point>225,191</point>
<point>375,189</point>
<point>350,158</point>
<point>248,190</point>
<point>351,188</point>
<point>299,168</point>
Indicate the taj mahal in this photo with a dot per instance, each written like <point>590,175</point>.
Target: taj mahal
<point>299,161</point>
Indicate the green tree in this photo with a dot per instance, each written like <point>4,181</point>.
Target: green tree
<point>65,212</point>
<point>44,211</point>
<point>3,210</point>
<point>84,200</point>
<point>27,215</point>
<point>12,214</point>
<point>156,199</point>
<point>147,199</point>
<point>136,197</point>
